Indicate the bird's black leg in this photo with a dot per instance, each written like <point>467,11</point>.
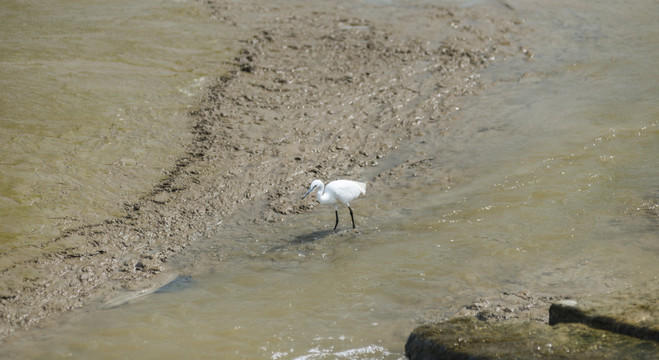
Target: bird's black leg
<point>337,219</point>
<point>352,217</point>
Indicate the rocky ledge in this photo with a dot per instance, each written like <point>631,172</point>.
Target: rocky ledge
<point>622,325</point>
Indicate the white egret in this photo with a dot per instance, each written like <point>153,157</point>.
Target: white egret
<point>338,191</point>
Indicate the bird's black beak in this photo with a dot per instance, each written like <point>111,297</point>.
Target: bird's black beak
<point>308,191</point>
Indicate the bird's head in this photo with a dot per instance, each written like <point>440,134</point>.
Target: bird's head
<point>316,184</point>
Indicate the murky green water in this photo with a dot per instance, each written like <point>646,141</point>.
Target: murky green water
<point>93,102</point>
<point>557,193</point>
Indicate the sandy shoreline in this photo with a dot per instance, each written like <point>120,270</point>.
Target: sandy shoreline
<point>315,91</point>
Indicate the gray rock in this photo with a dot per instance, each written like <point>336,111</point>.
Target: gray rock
<point>636,317</point>
<point>621,325</point>
<point>469,338</point>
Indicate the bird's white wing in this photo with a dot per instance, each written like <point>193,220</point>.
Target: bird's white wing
<point>346,190</point>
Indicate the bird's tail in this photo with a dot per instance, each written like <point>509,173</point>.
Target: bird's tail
<point>362,187</point>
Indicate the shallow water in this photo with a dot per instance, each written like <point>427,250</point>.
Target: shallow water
<point>93,105</point>
<point>554,191</point>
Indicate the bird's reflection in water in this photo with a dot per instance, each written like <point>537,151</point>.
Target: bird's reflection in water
<point>311,237</point>
<point>307,239</point>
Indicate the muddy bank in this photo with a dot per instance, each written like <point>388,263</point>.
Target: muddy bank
<point>315,91</point>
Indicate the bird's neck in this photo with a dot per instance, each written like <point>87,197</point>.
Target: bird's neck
<point>321,196</point>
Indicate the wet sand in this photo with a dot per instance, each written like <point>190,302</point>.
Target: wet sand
<point>315,91</point>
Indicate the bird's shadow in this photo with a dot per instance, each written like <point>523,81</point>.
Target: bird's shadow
<point>311,237</point>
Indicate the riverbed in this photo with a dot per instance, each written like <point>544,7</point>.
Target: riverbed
<point>515,155</point>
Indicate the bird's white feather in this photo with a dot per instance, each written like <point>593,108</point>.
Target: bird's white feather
<point>345,191</point>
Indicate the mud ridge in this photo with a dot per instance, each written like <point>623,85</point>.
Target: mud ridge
<point>318,91</point>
